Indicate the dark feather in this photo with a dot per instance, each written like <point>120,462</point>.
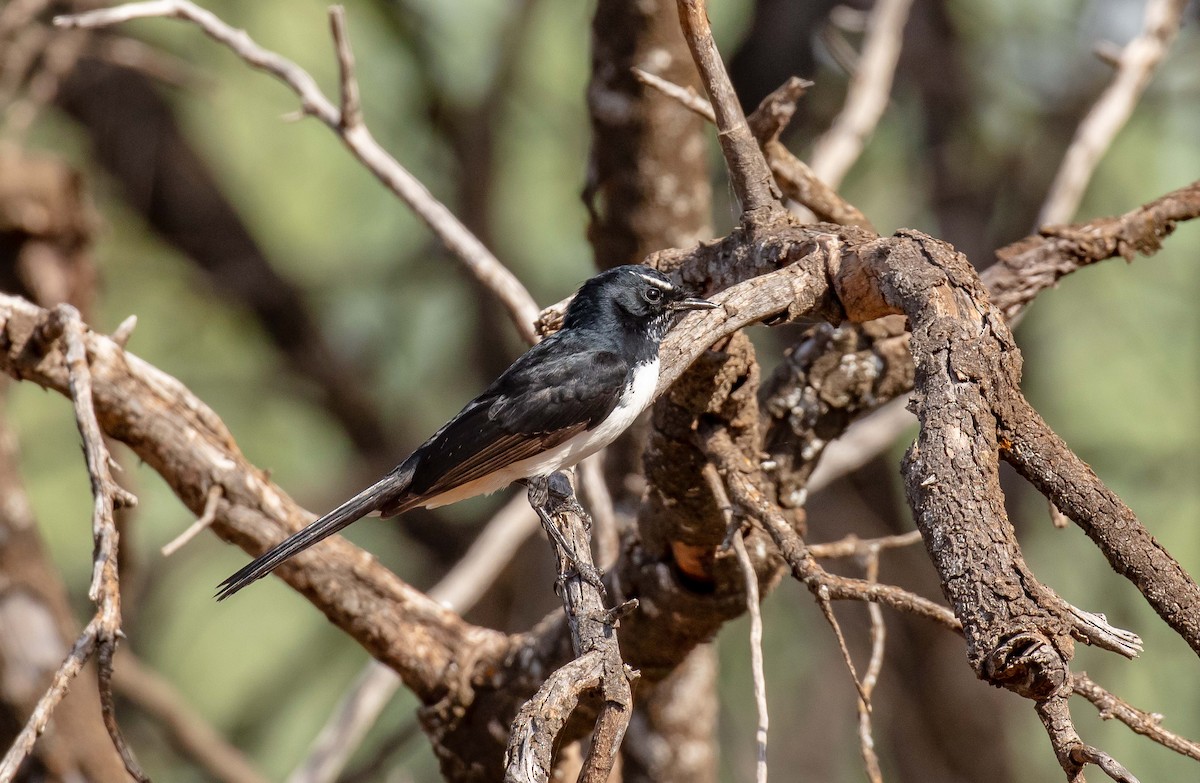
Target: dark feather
<point>557,390</point>
<point>378,494</point>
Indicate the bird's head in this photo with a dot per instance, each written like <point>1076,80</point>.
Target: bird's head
<point>635,296</point>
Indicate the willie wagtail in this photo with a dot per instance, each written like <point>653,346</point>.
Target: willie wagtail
<point>563,400</point>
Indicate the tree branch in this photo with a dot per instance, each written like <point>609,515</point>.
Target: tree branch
<point>748,170</point>
<point>101,635</point>
<point>835,152</point>
<point>354,134</point>
<point>1135,66</point>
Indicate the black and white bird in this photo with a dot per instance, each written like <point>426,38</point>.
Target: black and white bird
<point>563,400</point>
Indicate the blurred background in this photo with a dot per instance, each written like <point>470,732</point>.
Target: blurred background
<point>284,286</point>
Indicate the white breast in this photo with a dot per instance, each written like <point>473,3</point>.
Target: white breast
<point>638,393</point>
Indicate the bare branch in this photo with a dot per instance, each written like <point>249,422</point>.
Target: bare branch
<point>866,740</point>
<point>350,112</point>
<point>756,656</point>
<point>1026,268</point>
<point>202,522</point>
<point>531,742</point>
<point>748,172</point>
<point>103,632</point>
<point>1071,751</point>
<point>687,97</point>
<point>793,176</point>
<point>485,267</point>
<point>868,548</point>
<point>750,578</point>
<point>1135,67</point>
<point>593,637</point>
<point>1044,460</point>
<point>835,151</point>
<point>604,516</point>
<point>1144,723</point>
<point>21,747</point>
<point>1022,271</point>
<point>736,471</point>
<point>187,443</point>
<point>822,596</point>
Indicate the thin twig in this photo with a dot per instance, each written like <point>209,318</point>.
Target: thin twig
<point>822,596</point>
<point>1095,134</point>
<point>837,150</point>
<point>748,172</point>
<point>686,97</point>
<point>39,719</point>
<point>103,632</point>
<point>866,740</point>
<point>853,546</point>
<point>750,576</point>
<point>486,268</point>
<point>756,656</point>
<point>793,176</point>
<point>202,522</point>
<point>350,111</point>
<point>1141,722</point>
<point>604,515</point>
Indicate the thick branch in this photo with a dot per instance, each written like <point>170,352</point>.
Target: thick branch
<point>182,439</point>
<point>1045,461</point>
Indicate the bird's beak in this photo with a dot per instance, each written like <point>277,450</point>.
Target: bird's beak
<point>693,303</point>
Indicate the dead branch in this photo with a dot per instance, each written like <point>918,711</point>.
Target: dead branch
<point>1045,461</point>
<point>485,267</point>
<point>1135,67</point>
<point>835,152</point>
<point>186,442</point>
<point>748,170</point>
<point>793,176</point>
<point>840,373</point>
<point>64,326</point>
<point>598,666</point>
<point>1026,268</point>
<point>756,657</point>
<point>206,516</point>
<point>866,739</point>
<point>739,475</point>
<point>1144,723</point>
<point>1071,751</point>
<point>869,548</point>
<point>750,577</point>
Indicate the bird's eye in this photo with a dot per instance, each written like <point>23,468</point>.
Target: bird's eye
<point>653,295</point>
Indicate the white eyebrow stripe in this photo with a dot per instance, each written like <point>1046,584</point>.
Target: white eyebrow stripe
<point>654,281</point>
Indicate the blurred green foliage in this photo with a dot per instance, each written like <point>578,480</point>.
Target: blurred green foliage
<point>1112,357</point>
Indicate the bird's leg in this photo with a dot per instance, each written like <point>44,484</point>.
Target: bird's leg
<point>561,490</point>
<point>551,496</point>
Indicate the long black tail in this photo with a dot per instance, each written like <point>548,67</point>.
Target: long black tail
<point>386,491</point>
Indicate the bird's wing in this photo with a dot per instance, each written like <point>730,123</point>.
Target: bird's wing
<point>543,400</point>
